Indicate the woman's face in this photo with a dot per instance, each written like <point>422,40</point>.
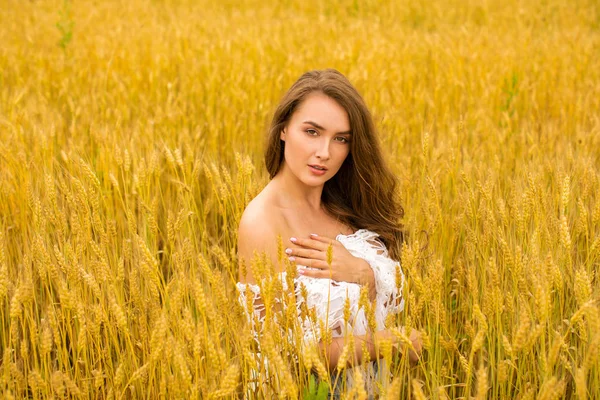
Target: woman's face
<point>317,139</point>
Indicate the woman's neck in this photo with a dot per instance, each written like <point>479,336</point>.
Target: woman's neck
<point>293,193</point>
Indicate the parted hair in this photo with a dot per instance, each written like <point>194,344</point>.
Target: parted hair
<point>363,193</point>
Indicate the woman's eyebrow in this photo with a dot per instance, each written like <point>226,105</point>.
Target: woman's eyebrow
<point>320,127</point>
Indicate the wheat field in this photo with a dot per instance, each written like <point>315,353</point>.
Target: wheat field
<point>131,139</point>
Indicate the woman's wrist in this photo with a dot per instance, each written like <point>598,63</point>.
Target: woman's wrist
<point>366,277</point>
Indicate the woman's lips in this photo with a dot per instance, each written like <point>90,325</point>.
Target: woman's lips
<point>316,171</point>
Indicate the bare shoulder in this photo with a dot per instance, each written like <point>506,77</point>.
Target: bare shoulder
<point>257,232</point>
<point>256,222</point>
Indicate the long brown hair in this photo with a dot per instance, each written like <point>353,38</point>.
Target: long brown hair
<point>363,192</point>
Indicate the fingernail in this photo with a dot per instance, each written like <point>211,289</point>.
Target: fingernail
<point>301,271</point>
<point>313,234</point>
<point>288,251</point>
<point>292,258</point>
<point>293,239</point>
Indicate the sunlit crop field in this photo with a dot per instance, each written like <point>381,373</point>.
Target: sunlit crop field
<point>131,139</point>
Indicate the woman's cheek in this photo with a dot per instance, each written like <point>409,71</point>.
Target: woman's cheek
<point>292,156</point>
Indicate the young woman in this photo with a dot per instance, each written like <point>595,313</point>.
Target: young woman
<point>329,186</point>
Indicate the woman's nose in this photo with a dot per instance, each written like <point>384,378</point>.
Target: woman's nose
<point>323,150</point>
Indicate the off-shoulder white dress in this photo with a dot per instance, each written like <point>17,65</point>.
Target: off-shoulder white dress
<point>319,291</point>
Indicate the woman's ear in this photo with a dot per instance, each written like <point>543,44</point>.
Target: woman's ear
<point>282,135</point>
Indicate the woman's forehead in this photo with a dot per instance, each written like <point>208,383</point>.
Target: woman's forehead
<point>323,111</point>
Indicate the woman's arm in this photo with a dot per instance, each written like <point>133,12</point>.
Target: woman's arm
<point>373,345</point>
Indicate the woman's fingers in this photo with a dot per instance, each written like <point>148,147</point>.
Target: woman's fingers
<point>309,243</point>
<point>309,262</point>
<point>306,253</point>
<point>315,273</point>
<point>322,239</point>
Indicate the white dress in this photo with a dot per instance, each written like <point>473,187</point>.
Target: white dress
<point>319,291</point>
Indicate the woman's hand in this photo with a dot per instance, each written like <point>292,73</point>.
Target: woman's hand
<point>412,343</point>
<point>344,267</point>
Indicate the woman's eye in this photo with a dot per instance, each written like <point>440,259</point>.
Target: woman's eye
<point>311,132</point>
<point>343,139</point>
